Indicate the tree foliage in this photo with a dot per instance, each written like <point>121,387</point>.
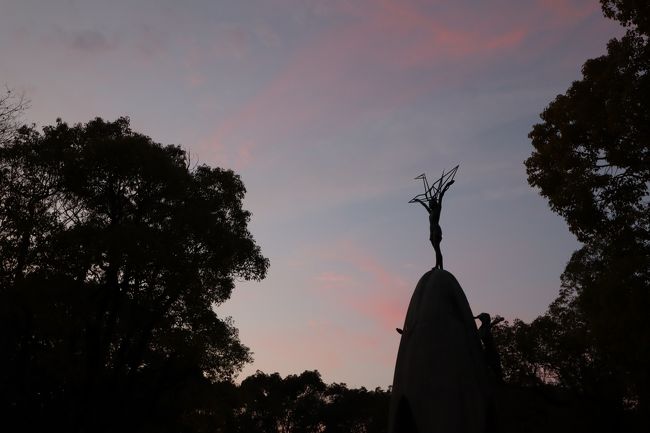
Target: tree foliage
<point>12,105</point>
<point>591,160</point>
<point>304,404</point>
<point>113,254</point>
<point>591,157</point>
<point>630,13</point>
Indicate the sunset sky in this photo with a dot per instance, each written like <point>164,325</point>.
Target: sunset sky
<point>328,109</point>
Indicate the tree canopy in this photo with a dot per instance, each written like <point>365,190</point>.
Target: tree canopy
<point>303,403</point>
<point>630,13</point>
<point>591,160</point>
<point>114,251</point>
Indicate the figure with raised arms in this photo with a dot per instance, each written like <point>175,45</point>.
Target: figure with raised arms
<point>431,199</point>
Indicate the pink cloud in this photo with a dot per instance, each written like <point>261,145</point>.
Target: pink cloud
<point>325,345</point>
<point>375,291</point>
<point>570,10</point>
<point>388,310</point>
<point>430,36</point>
<point>377,57</point>
<point>293,348</point>
<point>344,71</point>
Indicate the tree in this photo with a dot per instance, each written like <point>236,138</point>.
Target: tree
<point>271,404</point>
<point>630,13</point>
<point>12,106</point>
<point>114,252</point>
<point>303,403</point>
<point>355,410</point>
<point>592,162</point>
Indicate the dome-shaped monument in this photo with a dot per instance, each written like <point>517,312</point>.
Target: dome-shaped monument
<point>441,382</point>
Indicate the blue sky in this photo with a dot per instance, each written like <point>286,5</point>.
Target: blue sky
<point>328,109</point>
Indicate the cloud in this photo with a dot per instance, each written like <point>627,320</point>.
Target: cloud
<point>89,41</point>
<point>570,10</point>
<point>370,290</point>
<point>343,74</point>
<point>326,345</point>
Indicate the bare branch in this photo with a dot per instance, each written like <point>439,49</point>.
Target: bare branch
<point>12,106</point>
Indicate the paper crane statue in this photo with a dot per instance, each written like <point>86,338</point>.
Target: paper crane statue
<point>431,199</point>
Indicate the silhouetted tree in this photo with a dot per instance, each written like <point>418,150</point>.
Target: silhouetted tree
<point>271,404</point>
<point>630,13</point>
<point>12,105</point>
<point>113,254</point>
<point>592,162</point>
<point>303,403</point>
<point>355,410</point>
<point>555,378</point>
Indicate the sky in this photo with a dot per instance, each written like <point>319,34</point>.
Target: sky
<point>328,109</point>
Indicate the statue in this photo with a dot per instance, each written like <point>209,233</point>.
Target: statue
<point>431,199</point>
<point>442,383</point>
<point>489,348</point>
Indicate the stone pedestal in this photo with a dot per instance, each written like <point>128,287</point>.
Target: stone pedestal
<point>441,380</point>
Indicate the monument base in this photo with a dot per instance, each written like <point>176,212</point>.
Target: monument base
<point>441,382</point>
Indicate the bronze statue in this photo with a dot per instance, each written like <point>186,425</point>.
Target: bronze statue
<point>491,354</point>
<point>431,199</point>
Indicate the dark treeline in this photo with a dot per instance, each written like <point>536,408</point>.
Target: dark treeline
<point>303,403</point>
<point>584,365</point>
<point>114,251</point>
